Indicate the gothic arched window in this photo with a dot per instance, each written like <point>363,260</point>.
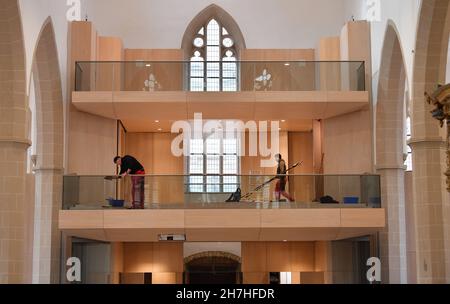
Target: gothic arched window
<point>213,63</point>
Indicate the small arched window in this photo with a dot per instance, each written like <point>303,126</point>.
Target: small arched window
<point>213,62</point>
<point>408,159</point>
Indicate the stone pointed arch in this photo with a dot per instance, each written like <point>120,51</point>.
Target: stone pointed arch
<point>431,199</point>
<point>210,12</point>
<point>49,100</point>
<point>49,149</point>
<point>14,117</point>
<point>390,136</point>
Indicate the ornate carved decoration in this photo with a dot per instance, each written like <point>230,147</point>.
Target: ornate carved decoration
<point>440,99</point>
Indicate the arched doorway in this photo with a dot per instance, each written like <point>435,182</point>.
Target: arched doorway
<point>212,267</point>
<point>431,199</point>
<point>49,161</point>
<point>14,143</point>
<point>390,138</point>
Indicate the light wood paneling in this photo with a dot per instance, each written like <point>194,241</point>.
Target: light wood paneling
<point>362,218</point>
<point>153,55</point>
<point>282,75</point>
<point>153,150</point>
<point>80,219</point>
<point>109,76</point>
<point>329,49</point>
<point>265,257</point>
<point>330,73</point>
<point>138,257</point>
<point>278,54</point>
<point>254,257</point>
<point>223,224</point>
<point>312,278</point>
<point>305,218</point>
<point>167,71</point>
<point>347,144</point>
<point>278,257</point>
<point>168,257</point>
<point>167,278</point>
<point>158,258</point>
<point>356,46</point>
<point>302,256</point>
<point>256,278</point>
<point>144,219</point>
<point>116,261</point>
<point>90,137</point>
<point>301,149</point>
<point>225,234</point>
<point>273,105</point>
<point>219,219</point>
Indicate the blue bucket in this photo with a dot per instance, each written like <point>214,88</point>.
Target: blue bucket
<point>351,200</point>
<point>116,203</point>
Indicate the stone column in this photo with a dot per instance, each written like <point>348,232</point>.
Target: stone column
<point>393,237</point>
<point>431,209</point>
<point>13,211</point>
<point>47,238</point>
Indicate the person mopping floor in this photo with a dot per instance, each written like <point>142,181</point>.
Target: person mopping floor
<point>131,166</point>
<point>280,187</point>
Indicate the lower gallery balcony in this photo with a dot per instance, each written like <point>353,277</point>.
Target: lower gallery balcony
<point>326,208</point>
<point>189,234</point>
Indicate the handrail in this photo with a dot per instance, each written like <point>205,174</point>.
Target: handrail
<point>238,175</point>
<point>237,61</point>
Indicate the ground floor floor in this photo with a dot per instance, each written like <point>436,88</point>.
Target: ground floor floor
<point>170,262</point>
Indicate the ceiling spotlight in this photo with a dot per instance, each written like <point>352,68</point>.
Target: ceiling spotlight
<point>148,65</point>
<point>283,120</point>
<point>156,121</point>
<point>159,129</point>
<point>287,64</point>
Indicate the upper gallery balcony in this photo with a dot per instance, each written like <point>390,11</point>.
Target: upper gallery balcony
<point>220,90</point>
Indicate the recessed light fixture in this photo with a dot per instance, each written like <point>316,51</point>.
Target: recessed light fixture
<point>159,129</point>
<point>284,240</point>
<point>148,65</point>
<point>283,120</point>
<point>156,121</point>
<point>287,64</point>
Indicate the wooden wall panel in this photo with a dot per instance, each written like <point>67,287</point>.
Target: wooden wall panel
<point>153,150</point>
<point>168,74</point>
<point>116,262</point>
<point>138,257</point>
<point>109,76</point>
<point>301,149</point>
<point>163,260</point>
<point>330,72</point>
<point>302,256</point>
<point>92,139</point>
<point>347,144</point>
<point>278,257</point>
<point>168,257</point>
<point>312,278</point>
<point>260,258</point>
<point>295,77</point>
<point>256,278</point>
<point>254,257</point>
<point>140,146</point>
<point>277,54</point>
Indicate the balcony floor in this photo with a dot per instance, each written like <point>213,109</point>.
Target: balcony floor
<point>231,224</point>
